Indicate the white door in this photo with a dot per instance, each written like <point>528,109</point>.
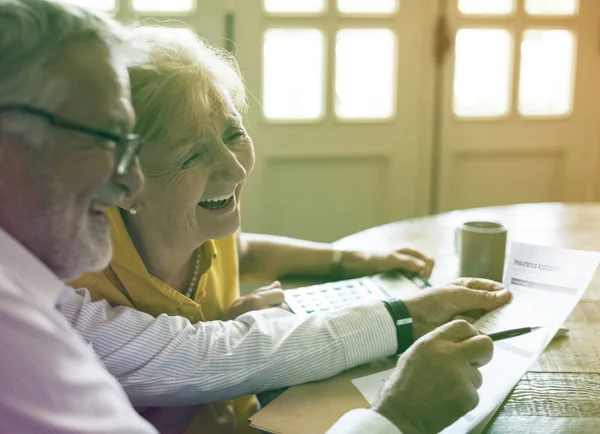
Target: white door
<point>340,112</point>
<point>520,116</point>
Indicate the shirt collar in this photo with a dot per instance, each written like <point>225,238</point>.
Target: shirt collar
<point>34,276</point>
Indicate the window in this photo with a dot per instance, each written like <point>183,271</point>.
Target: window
<point>547,66</point>
<point>163,6</point>
<point>367,7</point>
<point>482,72</point>
<point>486,7</point>
<point>295,6</point>
<point>551,7</point>
<point>365,74</point>
<point>293,74</point>
<point>352,77</point>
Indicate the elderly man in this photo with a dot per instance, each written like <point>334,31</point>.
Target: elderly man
<point>66,155</point>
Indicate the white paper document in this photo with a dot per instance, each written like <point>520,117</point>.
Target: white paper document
<point>546,284</point>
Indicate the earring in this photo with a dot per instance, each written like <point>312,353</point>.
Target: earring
<point>133,209</point>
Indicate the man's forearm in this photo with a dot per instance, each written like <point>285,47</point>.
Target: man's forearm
<point>269,257</point>
<point>167,361</point>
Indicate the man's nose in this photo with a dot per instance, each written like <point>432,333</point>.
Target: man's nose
<point>133,180</point>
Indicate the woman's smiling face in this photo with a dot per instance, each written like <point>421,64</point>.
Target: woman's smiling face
<point>188,97</point>
<point>192,189</point>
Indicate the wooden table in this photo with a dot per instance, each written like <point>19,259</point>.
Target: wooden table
<point>561,394</point>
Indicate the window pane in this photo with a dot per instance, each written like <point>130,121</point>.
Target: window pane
<point>291,6</point>
<point>103,5</point>
<point>368,7</point>
<point>482,75</point>
<point>365,73</point>
<point>547,66</point>
<point>293,73</point>
<point>551,7</point>
<point>486,7</point>
<point>162,5</point>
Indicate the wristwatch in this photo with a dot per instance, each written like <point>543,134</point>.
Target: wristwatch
<point>402,321</point>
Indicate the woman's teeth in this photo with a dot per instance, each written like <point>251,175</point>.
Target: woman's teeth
<point>216,203</point>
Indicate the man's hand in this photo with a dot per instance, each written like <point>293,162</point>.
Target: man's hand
<point>462,298</point>
<point>435,381</point>
<point>262,298</point>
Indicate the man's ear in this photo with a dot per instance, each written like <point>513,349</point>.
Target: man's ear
<point>126,203</point>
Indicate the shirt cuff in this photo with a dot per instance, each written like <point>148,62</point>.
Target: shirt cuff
<point>361,421</point>
<point>367,331</point>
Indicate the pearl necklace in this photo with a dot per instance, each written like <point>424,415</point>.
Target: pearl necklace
<point>193,286</point>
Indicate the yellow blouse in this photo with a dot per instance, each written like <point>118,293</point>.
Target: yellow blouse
<point>126,282</point>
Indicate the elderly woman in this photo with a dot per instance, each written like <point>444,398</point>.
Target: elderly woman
<point>177,249</point>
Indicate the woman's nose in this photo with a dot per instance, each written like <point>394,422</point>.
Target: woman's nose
<point>230,169</point>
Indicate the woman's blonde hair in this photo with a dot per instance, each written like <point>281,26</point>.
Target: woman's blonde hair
<point>180,83</point>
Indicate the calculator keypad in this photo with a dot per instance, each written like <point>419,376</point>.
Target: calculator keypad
<point>330,296</point>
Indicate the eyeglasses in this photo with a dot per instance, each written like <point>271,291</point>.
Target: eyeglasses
<point>128,147</point>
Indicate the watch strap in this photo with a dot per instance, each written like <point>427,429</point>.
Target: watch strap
<point>402,321</point>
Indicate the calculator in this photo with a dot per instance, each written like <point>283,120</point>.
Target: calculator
<point>330,296</point>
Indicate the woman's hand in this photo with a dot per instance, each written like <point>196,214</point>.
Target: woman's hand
<point>262,298</point>
<point>356,263</point>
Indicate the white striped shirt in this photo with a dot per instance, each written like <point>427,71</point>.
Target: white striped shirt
<point>51,381</point>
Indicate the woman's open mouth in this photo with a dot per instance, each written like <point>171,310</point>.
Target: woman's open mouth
<point>216,203</point>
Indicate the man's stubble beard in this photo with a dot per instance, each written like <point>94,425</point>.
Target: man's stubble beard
<point>67,241</point>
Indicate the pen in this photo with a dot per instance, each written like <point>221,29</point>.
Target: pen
<point>498,336</point>
<point>422,280</point>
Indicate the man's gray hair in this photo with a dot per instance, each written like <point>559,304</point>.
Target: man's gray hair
<point>33,33</point>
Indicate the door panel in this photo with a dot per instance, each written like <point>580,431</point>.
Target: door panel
<point>327,185</point>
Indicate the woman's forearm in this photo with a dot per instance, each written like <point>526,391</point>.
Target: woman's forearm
<point>269,257</point>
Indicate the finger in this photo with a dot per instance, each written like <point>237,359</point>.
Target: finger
<point>481,284</point>
<point>456,331</point>
<point>415,253</point>
<point>477,350</point>
<point>428,268</point>
<point>476,377</point>
<point>273,285</point>
<point>283,306</point>
<point>409,263</point>
<point>429,262</point>
<point>268,298</point>
<point>475,313</point>
<point>474,299</point>
<point>468,319</point>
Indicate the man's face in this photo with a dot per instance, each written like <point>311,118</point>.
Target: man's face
<point>72,181</point>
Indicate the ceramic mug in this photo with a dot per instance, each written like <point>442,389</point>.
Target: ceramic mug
<point>481,247</point>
